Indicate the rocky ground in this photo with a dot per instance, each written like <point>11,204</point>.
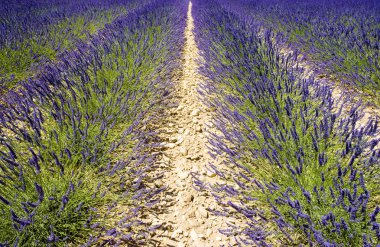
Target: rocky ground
<point>184,211</point>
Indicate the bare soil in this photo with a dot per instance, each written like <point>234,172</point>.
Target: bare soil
<point>184,211</point>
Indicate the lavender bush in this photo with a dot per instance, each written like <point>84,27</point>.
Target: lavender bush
<point>74,161</point>
<point>33,32</point>
<point>304,165</point>
<point>341,38</point>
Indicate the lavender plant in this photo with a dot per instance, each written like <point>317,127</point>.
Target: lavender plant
<point>304,165</point>
<point>74,159</point>
<point>340,38</point>
<point>34,32</point>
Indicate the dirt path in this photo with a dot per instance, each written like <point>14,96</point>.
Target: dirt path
<point>183,210</point>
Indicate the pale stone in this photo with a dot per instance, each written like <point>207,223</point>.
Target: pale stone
<point>193,235</point>
<point>176,233</point>
<point>195,112</point>
<point>170,145</point>
<point>183,151</point>
<point>183,175</point>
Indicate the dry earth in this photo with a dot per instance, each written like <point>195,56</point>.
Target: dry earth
<point>183,211</point>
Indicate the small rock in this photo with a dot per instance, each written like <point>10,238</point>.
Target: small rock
<point>180,107</point>
<point>165,158</point>
<point>208,232</point>
<point>170,145</point>
<point>193,235</point>
<point>183,151</point>
<point>169,131</point>
<point>173,139</point>
<point>200,222</point>
<point>156,221</point>
<point>179,140</point>
<point>202,213</point>
<point>218,238</point>
<point>169,198</point>
<point>222,182</point>
<point>210,174</point>
<point>186,132</point>
<point>192,213</point>
<point>183,175</point>
<point>195,112</point>
<point>194,157</point>
<point>176,233</point>
<point>158,183</point>
<point>189,198</point>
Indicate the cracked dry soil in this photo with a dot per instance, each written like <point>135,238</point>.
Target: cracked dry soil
<point>183,211</point>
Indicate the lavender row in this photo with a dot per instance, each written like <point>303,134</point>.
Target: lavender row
<point>74,159</point>
<point>33,33</point>
<point>21,20</point>
<point>340,38</point>
<point>302,169</point>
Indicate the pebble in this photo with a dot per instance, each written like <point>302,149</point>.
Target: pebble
<point>194,157</point>
<point>193,235</point>
<point>156,221</point>
<point>176,233</point>
<point>165,158</point>
<point>189,198</point>
<point>179,140</point>
<point>183,151</point>
<point>210,174</point>
<point>202,213</point>
<point>170,145</point>
<point>195,112</point>
<point>187,131</point>
<point>173,139</point>
<point>192,213</point>
<point>183,175</point>
<point>180,107</point>
<point>211,207</point>
<point>158,183</point>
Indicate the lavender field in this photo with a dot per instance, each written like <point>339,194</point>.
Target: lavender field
<point>189,123</point>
